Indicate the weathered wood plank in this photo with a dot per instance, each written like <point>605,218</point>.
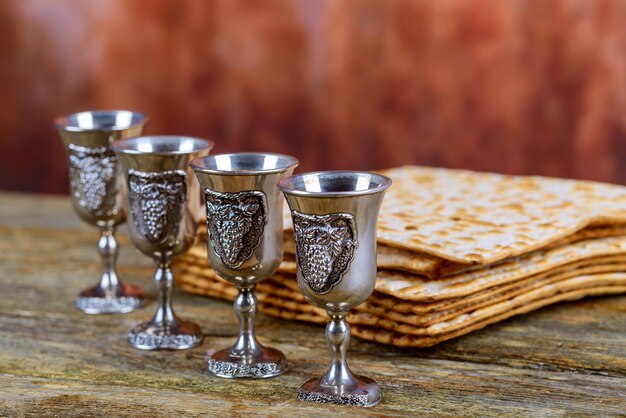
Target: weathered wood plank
<point>443,392</point>
<point>50,211</point>
<point>551,340</point>
<point>566,359</point>
<point>97,354</point>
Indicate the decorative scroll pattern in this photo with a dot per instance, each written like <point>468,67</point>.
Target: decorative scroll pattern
<point>345,399</point>
<point>222,368</point>
<point>154,341</point>
<point>103,305</point>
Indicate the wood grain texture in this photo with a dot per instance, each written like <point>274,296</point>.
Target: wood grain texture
<point>522,87</point>
<point>564,360</point>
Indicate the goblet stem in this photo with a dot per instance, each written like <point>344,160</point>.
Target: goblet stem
<point>338,338</point>
<point>339,385</point>
<point>165,330</point>
<point>108,248</point>
<point>245,307</point>
<point>110,295</point>
<point>164,283</point>
<point>247,357</point>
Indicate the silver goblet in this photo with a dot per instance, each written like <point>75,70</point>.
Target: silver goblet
<point>164,212</point>
<point>98,197</point>
<point>334,217</point>
<point>245,246</point>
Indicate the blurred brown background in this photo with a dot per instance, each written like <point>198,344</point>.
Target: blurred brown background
<point>528,86</point>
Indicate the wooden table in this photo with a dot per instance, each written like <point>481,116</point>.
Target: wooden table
<point>54,360</point>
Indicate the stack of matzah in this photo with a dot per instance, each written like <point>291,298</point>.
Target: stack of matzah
<point>459,250</point>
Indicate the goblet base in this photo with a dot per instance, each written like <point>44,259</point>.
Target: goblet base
<point>360,391</point>
<point>123,298</point>
<point>179,335</point>
<point>268,362</point>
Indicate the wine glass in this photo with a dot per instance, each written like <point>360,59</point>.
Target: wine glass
<point>334,216</point>
<point>98,197</point>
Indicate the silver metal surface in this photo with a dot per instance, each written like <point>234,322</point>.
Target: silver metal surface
<point>98,197</point>
<point>334,215</point>
<point>245,246</point>
<point>165,210</point>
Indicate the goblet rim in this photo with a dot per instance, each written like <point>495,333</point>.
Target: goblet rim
<point>64,122</point>
<point>126,146</point>
<point>199,164</point>
<point>287,185</point>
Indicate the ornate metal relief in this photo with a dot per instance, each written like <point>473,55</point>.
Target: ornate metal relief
<point>157,202</point>
<point>235,222</point>
<point>225,368</point>
<point>325,247</point>
<point>103,304</point>
<point>93,178</point>
<point>159,341</point>
<point>340,399</point>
